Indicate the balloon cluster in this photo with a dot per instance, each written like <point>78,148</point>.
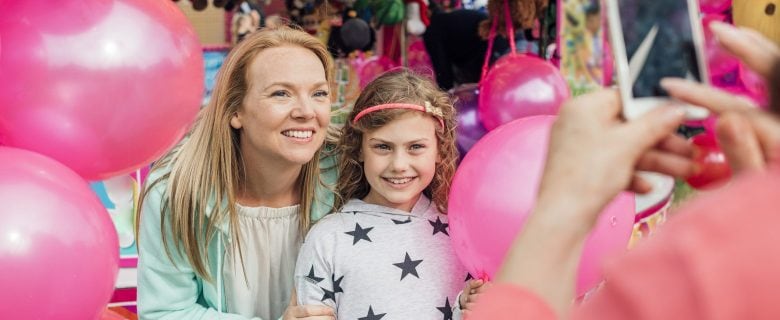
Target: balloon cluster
<point>504,125</point>
<point>89,91</point>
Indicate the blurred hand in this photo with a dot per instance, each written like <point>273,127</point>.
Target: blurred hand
<point>749,137</point>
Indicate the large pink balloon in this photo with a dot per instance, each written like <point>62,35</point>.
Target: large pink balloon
<point>714,6</point>
<point>719,62</point>
<point>102,86</point>
<point>494,190</point>
<point>371,68</point>
<point>58,246</point>
<point>520,86</point>
<point>419,60</point>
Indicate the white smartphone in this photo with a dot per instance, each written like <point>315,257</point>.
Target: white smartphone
<point>652,40</point>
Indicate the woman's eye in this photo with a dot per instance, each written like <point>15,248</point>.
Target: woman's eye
<point>381,147</point>
<point>321,93</point>
<point>280,93</point>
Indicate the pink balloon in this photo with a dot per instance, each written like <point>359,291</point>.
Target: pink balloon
<point>520,86</point>
<point>719,61</point>
<point>739,90</point>
<point>372,67</point>
<point>58,246</point>
<point>418,59</point>
<point>102,86</point>
<point>494,191</point>
<point>714,6</point>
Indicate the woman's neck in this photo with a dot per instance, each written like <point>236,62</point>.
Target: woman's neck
<point>269,185</point>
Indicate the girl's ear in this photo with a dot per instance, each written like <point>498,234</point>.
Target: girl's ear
<point>360,155</point>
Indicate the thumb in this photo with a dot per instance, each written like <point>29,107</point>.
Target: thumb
<point>293,299</point>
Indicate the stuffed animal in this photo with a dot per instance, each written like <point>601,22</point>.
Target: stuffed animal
<point>761,15</point>
<point>523,13</point>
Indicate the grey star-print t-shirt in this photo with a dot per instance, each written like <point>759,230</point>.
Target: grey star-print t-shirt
<point>370,262</point>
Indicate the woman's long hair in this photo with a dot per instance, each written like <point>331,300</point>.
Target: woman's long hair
<point>206,168</point>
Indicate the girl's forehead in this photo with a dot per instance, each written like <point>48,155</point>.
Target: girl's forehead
<point>410,126</point>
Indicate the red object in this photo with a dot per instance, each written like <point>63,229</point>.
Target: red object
<point>716,258</point>
<point>715,170</point>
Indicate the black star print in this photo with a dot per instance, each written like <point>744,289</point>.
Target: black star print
<point>409,266</point>
<point>446,310</point>
<point>439,226</point>
<point>408,220</point>
<point>372,316</point>
<point>312,277</point>
<point>359,234</point>
<point>328,295</point>
<point>337,283</point>
<point>468,277</point>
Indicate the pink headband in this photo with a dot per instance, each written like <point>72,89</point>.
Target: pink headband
<point>428,108</point>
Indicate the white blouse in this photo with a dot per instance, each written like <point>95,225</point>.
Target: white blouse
<point>270,239</point>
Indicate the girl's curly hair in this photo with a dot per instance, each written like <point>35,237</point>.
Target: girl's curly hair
<point>398,86</point>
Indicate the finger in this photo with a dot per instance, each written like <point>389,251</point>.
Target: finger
<point>739,143</point>
<point>651,128</point>
<point>755,50</point>
<point>666,163</point>
<point>716,100</point>
<point>604,103</point>
<point>639,185</point>
<point>677,145</point>
<point>293,298</point>
<point>312,310</point>
<point>767,128</point>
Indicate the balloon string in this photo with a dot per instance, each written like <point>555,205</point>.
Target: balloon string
<point>510,30</point>
<point>491,38</point>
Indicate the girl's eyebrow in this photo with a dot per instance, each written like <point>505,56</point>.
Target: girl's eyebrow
<point>409,142</point>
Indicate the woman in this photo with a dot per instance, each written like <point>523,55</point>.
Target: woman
<point>717,259</point>
<point>224,213</point>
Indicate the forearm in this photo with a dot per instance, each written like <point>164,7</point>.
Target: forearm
<point>545,255</point>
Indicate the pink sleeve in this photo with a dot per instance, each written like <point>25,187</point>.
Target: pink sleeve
<point>715,259</point>
<point>505,301</point>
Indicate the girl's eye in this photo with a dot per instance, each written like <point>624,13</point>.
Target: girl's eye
<point>280,93</point>
<point>417,147</point>
<point>321,93</point>
<point>381,146</point>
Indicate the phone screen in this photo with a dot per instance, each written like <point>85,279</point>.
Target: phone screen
<point>659,43</point>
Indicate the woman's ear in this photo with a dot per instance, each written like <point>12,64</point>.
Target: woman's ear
<point>235,121</point>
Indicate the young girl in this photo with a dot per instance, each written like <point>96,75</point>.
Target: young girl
<point>386,252</point>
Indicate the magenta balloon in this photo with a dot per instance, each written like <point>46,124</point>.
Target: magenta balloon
<point>369,69</point>
<point>520,86</point>
<point>469,129</point>
<point>719,61</point>
<point>714,6</point>
<point>58,247</point>
<point>755,85</point>
<point>494,191</point>
<point>102,86</point>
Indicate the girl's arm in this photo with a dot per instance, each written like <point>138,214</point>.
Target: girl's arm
<point>315,281</point>
<point>167,291</point>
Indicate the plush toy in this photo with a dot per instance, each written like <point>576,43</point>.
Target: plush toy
<point>761,15</point>
<point>523,13</point>
<point>417,16</point>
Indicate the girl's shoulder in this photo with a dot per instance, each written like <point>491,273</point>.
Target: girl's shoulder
<point>330,224</point>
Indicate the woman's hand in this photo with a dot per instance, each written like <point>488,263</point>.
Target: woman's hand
<point>307,312</point>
